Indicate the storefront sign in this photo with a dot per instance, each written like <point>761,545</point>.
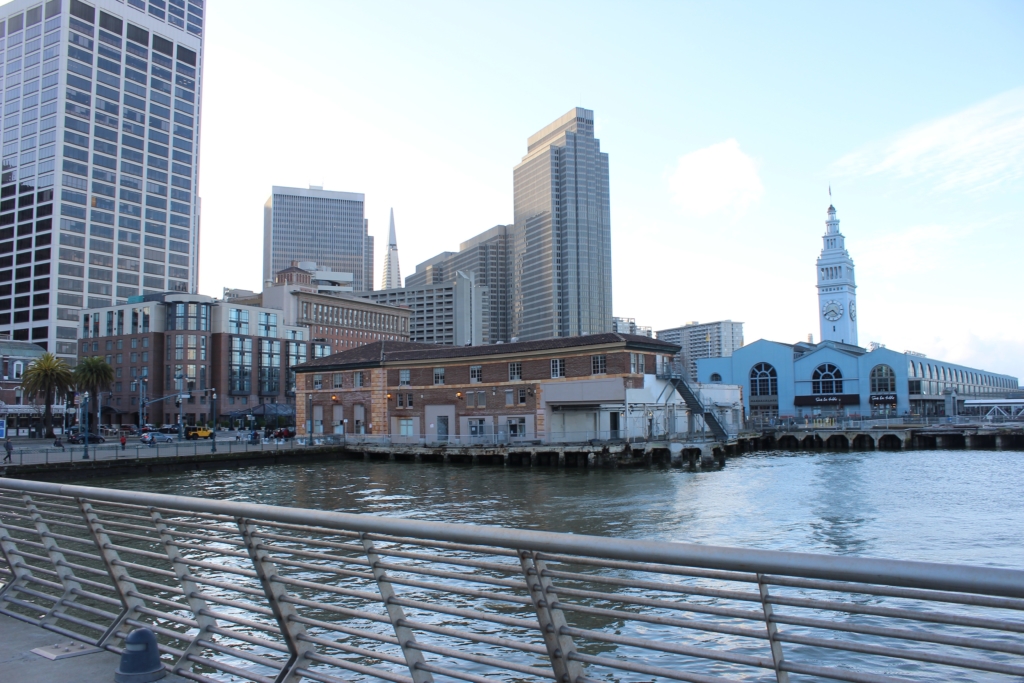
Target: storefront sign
<point>882,399</point>
<point>827,400</point>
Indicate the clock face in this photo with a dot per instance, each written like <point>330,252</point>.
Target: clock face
<point>832,310</point>
<point>853,310</point>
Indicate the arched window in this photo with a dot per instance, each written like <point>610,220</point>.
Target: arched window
<point>883,379</point>
<point>911,370</point>
<point>715,377</point>
<point>764,381</point>
<point>19,369</point>
<point>827,379</point>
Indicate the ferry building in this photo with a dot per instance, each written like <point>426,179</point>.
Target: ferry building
<point>837,377</point>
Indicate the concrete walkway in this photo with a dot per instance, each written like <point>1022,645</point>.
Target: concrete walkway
<point>19,663</point>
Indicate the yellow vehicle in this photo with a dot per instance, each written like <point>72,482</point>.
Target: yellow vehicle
<point>197,433</point>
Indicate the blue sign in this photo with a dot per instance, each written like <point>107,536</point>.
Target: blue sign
<point>3,428</point>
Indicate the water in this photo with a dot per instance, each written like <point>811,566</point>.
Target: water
<point>942,506</point>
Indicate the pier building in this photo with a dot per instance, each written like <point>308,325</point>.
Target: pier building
<point>836,377</point>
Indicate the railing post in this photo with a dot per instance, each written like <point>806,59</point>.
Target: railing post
<point>266,570</point>
<point>405,635</point>
<point>66,576</point>
<point>551,619</point>
<point>777,658</point>
<point>123,583</point>
<point>19,574</point>
<point>184,575</point>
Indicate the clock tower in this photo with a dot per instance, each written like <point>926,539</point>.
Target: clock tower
<point>837,288</point>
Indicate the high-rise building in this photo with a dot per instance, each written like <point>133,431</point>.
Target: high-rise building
<point>703,340</point>
<point>561,265</point>
<point>453,312</point>
<point>392,278</point>
<point>837,287</point>
<point>317,225</point>
<point>105,98</point>
<point>486,257</point>
<point>629,326</point>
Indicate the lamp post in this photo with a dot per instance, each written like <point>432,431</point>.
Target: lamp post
<point>178,377</point>
<point>142,404</point>
<point>309,416</point>
<point>213,434</point>
<point>85,425</point>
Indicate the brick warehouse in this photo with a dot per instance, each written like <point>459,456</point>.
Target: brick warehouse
<point>551,389</point>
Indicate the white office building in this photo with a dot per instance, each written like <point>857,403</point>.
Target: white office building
<point>704,340</point>
<point>101,137</point>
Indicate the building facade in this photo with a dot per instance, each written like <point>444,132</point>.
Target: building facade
<point>486,257</point>
<point>629,326</point>
<point>453,312</point>
<point>317,225</point>
<point>104,97</point>
<point>837,286</point>
<point>703,340</point>
<point>392,276</point>
<point>560,247</point>
<point>550,390</point>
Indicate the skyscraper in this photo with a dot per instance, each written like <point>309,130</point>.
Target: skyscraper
<point>121,136</point>
<point>392,278</point>
<point>561,266</point>
<point>317,225</point>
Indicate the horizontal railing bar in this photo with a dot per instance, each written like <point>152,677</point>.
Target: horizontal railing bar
<point>246,638</point>
<point>306,528</point>
<point>904,573</point>
<point>39,570</point>
<point>688,650</point>
<point>241,654</point>
<point>350,666</point>
<point>475,637</point>
<point>97,597</point>
<point>84,623</point>
<point>234,587</point>
<point>459,576</point>
<point>327,569</point>
<point>442,588</point>
<point>78,553</point>
<point>159,601</point>
<point>352,649</point>
<point>348,630</point>
<point>257,609</point>
<point>177,533</point>
<point>653,585</point>
<point>912,593</point>
<point>646,669</point>
<point>896,653</point>
<point>134,537</point>
<point>840,674</point>
<point>24,530</point>
<point>461,675</point>
<point>170,616</point>
<point>212,551</point>
<point>160,630</point>
<point>458,561</point>
<point>266,628</point>
<point>184,560</point>
<point>901,634</point>
<point>469,614</point>
<point>483,549</point>
<point>363,595</point>
<point>95,584</point>
<point>186,673</point>
<point>55,599</point>
<point>693,624</point>
<point>481,659</point>
<point>83,540</point>
<point>335,609</point>
<point>152,584</point>
<point>32,556</point>
<point>107,523</point>
<point>312,555</point>
<point>263,534</point>
<point>49,627</point>
<point>899,613</point>
<point>81,568</point>
<point>228,669</point>
<point>697,607</point>
<point>88,609</point>
<point>229,519</point>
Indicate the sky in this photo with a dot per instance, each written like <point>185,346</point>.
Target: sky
<point>725,124</point>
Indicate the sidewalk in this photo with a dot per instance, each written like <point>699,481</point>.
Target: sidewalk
<point>19,663</point>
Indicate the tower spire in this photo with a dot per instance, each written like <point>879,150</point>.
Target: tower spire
<point>392,276</point>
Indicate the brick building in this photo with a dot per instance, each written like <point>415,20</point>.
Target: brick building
<point>551,389</point>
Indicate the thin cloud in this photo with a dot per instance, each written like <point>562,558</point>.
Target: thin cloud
<point>978,149</point>
<point>719,178</point>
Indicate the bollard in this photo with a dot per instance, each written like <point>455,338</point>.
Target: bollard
<point>140,661</point>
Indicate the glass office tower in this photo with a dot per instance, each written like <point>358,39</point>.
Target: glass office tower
<point>317,225</point>
<point>560,246</point>
<point>101,106</point>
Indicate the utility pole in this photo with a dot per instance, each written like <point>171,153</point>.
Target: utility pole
<point>85,425</point>
<point>213,434</point>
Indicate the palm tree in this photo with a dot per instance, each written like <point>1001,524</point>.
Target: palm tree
<point>94,375</point>
<point>51,377</point>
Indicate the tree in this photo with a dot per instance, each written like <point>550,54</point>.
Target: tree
<point>51,377</point>
<point>94,375</point>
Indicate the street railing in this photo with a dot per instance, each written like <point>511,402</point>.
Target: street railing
<point>903,422</point>
<point>244,592</point>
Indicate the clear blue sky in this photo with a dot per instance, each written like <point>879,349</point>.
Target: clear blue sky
<point>725,123</point>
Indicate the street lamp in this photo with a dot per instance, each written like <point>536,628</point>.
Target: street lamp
<point>142,403</point>
<point>309,416</point>
<point>213,434</point>
<point>178,376</point>
<point>85,425</point>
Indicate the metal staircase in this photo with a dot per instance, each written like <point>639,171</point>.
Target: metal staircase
<point>675,376</point>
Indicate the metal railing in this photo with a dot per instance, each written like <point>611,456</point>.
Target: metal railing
<point>799,424</point>
<point>238,591</point>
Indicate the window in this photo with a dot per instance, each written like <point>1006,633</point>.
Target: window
<point>481,399</point>
<point>403,378</point>
<point>476,374</point>
<point>318,381</point>
<point>477,426</point>
<point>516,427</point>
<point>405,426</point>
<point>337,380</point>
<point>637,363</point>
<point>883,379</point>
<point>522,397</point>
<point>557,367</point>
<point>764,380</point>
<point>827,379</point>
<point>515,372</point>
<point>438,375</point>
<point>508,398</point>
<point>598,365</point>
<point>267,324</point>
<point>270,366</point>
<point>238,321</point>
<point>408,400</point>
<point>19,369</point>
<point>400,402</point>
<point>715,377</point>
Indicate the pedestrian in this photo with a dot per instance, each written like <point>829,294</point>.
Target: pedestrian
<point>8,449</point>
<point>123,441</point>
<point>57,443</point>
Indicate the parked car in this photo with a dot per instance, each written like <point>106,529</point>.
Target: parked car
<point>153,438</point>
<point>169,429</point>
<point>197,433</point>
<point>129,430</point>
<point>147,428</point>
<point>78,437</point>
<point>284,433</point>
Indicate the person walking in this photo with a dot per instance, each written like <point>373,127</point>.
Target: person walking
<point>123,441</point>
<point>8,449</point>
<point>57,443</point>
